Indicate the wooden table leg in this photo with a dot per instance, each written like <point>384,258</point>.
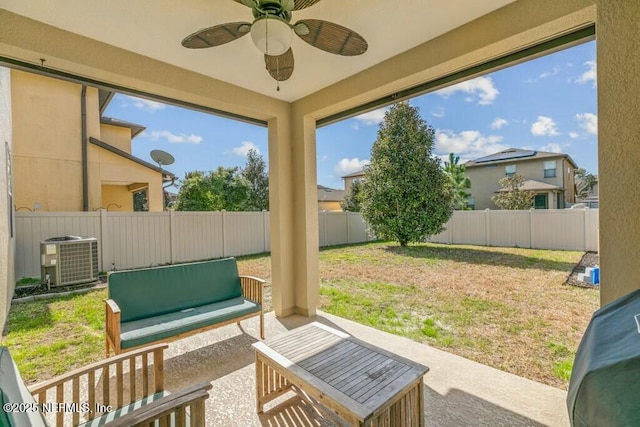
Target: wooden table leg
<point>259,381</point>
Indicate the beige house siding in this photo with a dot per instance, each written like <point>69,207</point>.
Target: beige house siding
<point>485,180</point>
<point>329,206</point>
<point>48,151</point>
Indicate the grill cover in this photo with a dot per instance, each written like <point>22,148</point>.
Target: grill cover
<point>605,383</point>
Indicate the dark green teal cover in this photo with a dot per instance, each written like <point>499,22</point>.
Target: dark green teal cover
<point>13,390</point>
<point>605,382</point>
<point>149,292</point>
<point>111,416</point>
<point>144,331</point>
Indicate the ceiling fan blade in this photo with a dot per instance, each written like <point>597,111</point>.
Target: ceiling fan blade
<point>280,67</point>
<point>248,3</point>
<point>217,35</point>
<point>303,4</point>
<point>330,37</point>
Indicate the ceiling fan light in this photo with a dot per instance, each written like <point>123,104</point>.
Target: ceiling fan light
<point>271,35</point>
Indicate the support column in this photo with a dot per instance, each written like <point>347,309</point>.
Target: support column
<point>293,215</point>
<point>305,215</point>
<point>618,55</point>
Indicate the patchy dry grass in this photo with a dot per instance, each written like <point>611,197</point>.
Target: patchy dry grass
<point>503,307</point>
<point>50,336</point>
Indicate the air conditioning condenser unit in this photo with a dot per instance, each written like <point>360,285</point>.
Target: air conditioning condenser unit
<point>69,260</point>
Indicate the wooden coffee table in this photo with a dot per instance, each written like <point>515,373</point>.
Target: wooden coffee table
<point>361,383</point>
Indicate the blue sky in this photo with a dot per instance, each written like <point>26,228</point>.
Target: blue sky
<point>546,104</point>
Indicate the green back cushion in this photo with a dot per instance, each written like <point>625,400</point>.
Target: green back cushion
<point>13,390</point>
<point>153,291</point>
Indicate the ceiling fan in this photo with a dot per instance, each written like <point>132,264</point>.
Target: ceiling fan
<point>272,33</point>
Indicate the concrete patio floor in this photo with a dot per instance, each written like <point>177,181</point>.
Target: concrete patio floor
<point>458,392</point>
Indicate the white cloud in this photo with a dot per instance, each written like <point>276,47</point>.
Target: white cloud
<point>146,104</point>
<point>347,166</point>
<point>482,89</point>
<point>544,126</point>
<point>573,135</point>
<point>552,147</point>
<point>545,75</point>
<point>374,117</point>
<point>172,138</point>
<point>468,144</point>
<point>590,75</point>
<point>438,112</point>
<point>244,148</point>
<point>499,123</point>
<point>588,122</point>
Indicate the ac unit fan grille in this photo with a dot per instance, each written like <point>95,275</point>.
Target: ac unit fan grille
<point>78,261</point>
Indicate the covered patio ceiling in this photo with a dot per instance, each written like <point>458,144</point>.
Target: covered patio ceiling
<point>155,29</point>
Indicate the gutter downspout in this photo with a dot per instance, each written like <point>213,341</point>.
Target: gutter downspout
<point>85,160</point>
<point>173,180</point>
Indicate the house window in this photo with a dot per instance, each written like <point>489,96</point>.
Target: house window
<point>550,169</point>
<point>510,170</point>
<point>471,203</point>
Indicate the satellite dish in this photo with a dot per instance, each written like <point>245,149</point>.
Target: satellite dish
<point>162,158</point>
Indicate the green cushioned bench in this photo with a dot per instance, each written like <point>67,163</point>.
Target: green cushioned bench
<point>104,393</point>
<point>167,303</point>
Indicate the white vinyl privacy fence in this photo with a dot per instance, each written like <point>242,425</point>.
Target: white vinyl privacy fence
<point>565,229</point>
<point>130,240</point>
<point>142,239</point>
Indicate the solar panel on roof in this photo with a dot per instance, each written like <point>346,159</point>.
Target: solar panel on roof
<point>507,156</point>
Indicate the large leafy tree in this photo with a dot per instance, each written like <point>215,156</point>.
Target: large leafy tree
<point>459,181</point>
<point>584,183</point>
<point>512,196</point>
<point>406,195</point>
<point>352,200</point>
<point>255,172</point>
<point>224,188</point>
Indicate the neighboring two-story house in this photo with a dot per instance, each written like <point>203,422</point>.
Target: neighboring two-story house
<point>351,178</point>
<point>549,175</point>
<point>68,157</point>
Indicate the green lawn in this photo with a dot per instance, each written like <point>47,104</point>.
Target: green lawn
<point>504,307</point>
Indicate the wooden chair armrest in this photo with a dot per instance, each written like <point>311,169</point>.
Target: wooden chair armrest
<point>113,306</point>
<point>112,326</point>
<point>252,288</point>
<point>193,396</point>
<point>157,350</point>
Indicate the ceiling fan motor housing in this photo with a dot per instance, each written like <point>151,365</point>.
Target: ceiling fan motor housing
<point>272,8</point>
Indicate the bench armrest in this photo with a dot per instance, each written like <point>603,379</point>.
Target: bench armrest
<point>100,374</point>
<point>252,288</point>
<point>112,326</point>
<point>175,403</point>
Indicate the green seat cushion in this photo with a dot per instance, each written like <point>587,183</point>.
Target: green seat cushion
<point>13,390</point>
<point>154,291</point>
<point>110,416</point>
<point>152,329</point>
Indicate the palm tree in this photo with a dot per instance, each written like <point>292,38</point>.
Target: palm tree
<point>459,181</point>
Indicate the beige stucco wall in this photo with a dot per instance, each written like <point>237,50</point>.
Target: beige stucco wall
<point>48,152</point>
<point>484,180</point>
<point>7,229</point>
<point>618,57</point>
<point>117,136</point>
<point>117,198</point>
<point>112,169</point>
<point>47,141</point>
